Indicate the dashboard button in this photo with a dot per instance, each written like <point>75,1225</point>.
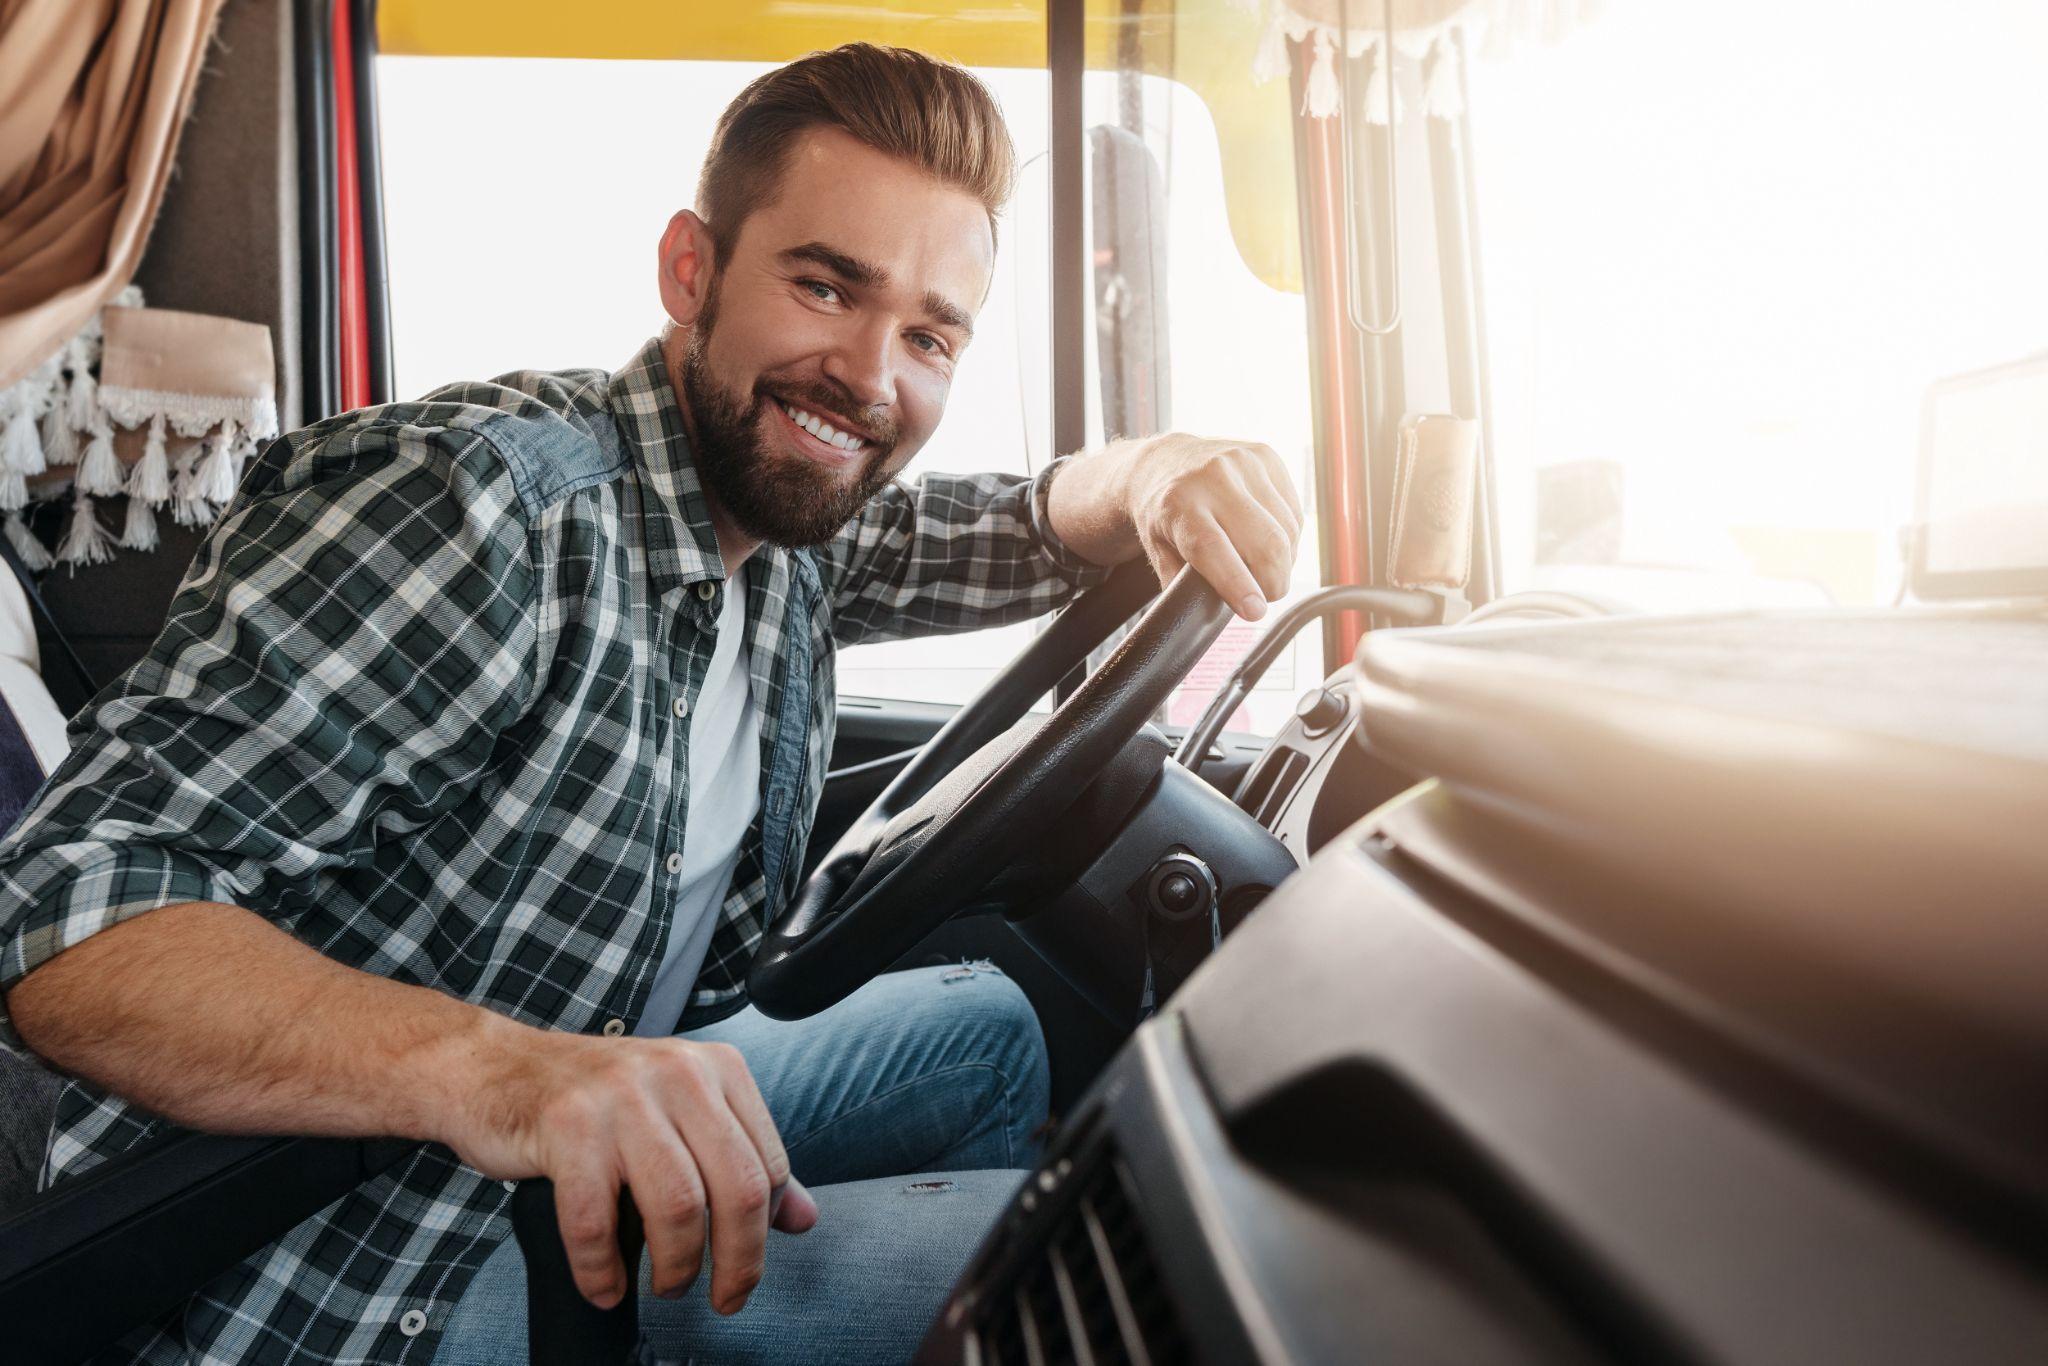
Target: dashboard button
<point>1321,710</point>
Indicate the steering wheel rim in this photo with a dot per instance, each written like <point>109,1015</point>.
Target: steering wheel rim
<point>989,782</point>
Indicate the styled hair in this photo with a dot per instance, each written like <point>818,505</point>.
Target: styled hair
<point>933,114</point>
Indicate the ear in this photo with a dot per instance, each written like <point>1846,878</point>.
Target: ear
<point>688,263</point>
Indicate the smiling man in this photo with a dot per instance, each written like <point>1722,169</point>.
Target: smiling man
<point>483,741</point>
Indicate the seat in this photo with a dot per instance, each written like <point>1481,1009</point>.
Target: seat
<point>31,743</point>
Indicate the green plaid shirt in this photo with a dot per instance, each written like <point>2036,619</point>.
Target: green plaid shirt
<point>420,702</point>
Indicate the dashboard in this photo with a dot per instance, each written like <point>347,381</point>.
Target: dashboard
<point>1685,1015</point>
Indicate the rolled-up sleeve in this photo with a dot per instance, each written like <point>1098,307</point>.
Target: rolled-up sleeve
<point>336,669</point>
<point>951,553</point>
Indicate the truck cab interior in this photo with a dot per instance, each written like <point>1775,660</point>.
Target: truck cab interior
<point>1597,916</point>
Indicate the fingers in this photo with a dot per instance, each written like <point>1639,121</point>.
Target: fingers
<point>1233,515</point>
<point>1264,542</point>
<point>790,1207</point>
<point>796,1211</point>
<point>669,1191</point>
<point>736,1187</point>
<point>744,1098</point>
<point>587,1210</point>
<point>1275,470</point>
<point>1213,555</point>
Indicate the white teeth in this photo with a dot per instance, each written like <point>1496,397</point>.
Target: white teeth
<point>822,429</point>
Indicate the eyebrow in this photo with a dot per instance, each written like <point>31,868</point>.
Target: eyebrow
<point>868,275</point>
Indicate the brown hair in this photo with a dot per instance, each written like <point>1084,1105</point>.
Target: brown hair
<point>930,113</point>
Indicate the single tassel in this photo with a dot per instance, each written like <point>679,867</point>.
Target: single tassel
<point>13,490</point>
<point>138,532</point>
<point>215,480</point>
<point>1441,97</point>
<point>100,473</point>
<point>60,443</point>
<point>1271,62</point>
<point>150,481</point>
<point>185,473</point>
<point>1376,90</point>
<point>22,444</point>
<point>85,541</point>
<point>35,556</point>
<point>193,512</point>
<point>1324,96</point>
<point>82,404</point>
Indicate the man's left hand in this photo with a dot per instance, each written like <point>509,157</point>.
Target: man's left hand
<point>1225,507</point>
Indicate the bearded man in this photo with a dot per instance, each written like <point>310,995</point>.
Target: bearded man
<point>484,738</point>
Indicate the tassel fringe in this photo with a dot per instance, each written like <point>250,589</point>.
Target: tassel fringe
<point>215,480</point>
<point>138,532</point>
<point>150,480</point>
<point>100,473</point>
<point>21,447</point>
<point>85,540</point>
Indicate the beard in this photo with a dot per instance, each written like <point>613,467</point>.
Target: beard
<point>772,496</point>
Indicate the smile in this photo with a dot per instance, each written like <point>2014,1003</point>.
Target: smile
<point>836,444</point>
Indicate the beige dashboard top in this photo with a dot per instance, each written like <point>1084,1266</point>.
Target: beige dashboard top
<point>1826,831</point>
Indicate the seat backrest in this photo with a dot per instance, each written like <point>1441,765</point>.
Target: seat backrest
<point>31,743</point>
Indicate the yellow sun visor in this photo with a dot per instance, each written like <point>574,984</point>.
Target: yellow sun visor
<point>1206,45</point>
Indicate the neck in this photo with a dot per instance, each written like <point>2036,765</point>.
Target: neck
<point>734,545</point>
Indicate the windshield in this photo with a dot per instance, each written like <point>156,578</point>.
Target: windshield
<point>1727,251</point>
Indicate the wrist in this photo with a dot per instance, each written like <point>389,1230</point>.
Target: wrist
<point>1091,500</point>
<point>475,1079</point>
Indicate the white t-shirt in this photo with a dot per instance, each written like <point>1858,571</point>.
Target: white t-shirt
<point>725,792</point>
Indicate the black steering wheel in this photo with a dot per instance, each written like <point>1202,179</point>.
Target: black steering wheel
<point>986,790</point>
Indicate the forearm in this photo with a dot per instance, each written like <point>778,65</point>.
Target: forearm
<point>214,1018</point>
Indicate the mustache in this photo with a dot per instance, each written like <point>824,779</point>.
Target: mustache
<point>871,426</point>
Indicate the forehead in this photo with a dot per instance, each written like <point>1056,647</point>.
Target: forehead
<point>877,208</point>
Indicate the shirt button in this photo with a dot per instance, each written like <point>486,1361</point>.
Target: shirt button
<point>706,591</point>
<point>510,1185</point>
<point>681,707</point>
<point>614,1028</point>
<point>413,1323</point>
<point>675,863</point>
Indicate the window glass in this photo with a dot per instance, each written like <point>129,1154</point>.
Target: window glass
<point>548,262</point>
<point>1234,352</point>
<point>553,266</point>
<point>1727,250</point>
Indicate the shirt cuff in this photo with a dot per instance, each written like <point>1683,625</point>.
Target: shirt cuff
<point>1072,567</point>
<point>70,905</point>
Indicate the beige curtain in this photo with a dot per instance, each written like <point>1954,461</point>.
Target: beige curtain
<point>92,96</point>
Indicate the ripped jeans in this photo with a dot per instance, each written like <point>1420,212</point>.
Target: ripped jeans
<point>936,1072</point>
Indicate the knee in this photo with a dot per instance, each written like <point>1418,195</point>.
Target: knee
<point>1006,1035</point>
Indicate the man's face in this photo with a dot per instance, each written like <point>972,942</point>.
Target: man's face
<point>819,360</point>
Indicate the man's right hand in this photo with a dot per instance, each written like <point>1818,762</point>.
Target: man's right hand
<point>680,1124</point>
<point>312,1047</point>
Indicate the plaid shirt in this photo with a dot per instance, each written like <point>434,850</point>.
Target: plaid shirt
<point>419,702</point>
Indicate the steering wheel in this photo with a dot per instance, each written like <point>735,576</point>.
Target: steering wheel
<point>987,789</point>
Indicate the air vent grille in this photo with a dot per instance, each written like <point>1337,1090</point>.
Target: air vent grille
<point>1092,1295</point>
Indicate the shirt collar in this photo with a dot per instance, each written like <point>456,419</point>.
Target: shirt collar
<point>682,548</point>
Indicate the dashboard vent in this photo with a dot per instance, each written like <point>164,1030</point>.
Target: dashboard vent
<point>1092,1295</point>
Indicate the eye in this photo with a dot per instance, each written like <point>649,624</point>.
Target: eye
<point>927,343</point>
<point>821,291</point>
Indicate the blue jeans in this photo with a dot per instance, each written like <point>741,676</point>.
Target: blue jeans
<point>937,1071</point>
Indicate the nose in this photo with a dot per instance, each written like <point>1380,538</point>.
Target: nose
<point>864,364</point>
